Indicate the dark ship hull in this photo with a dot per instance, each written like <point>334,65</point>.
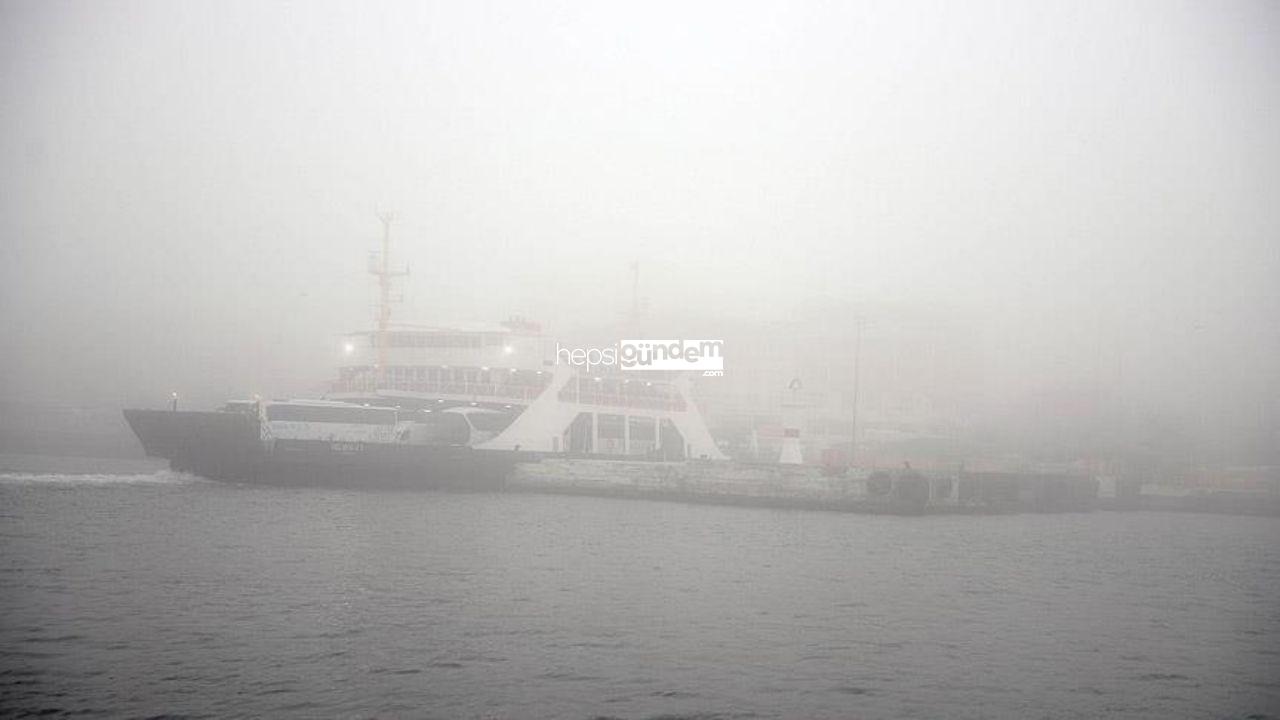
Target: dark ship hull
<point>228,446</point>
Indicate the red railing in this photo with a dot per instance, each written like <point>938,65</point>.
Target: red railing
<point>585,392</point>
<point>525,393</point>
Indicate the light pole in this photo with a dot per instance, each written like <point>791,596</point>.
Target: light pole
<point>857,372</point>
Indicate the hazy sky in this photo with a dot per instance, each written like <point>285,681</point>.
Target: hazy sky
<point>188,190</point>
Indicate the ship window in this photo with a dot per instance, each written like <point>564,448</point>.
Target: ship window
<point>609,426</point>
<point>642,429</point>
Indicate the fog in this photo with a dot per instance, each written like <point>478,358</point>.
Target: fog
<point>1083,193</point>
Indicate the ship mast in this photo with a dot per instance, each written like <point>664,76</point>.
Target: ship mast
<point>382,270</point>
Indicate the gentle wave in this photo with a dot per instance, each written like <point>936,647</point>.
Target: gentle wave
<point>212,600</point>
<point>160,477</point>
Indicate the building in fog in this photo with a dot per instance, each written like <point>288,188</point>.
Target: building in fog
<point>918,387</point>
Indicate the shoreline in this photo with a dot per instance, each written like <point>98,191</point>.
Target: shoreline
<point>1237,503</point>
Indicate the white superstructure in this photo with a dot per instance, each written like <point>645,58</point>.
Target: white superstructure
<point>505,380</point>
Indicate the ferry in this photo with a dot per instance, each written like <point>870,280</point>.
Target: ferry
<point>436,407</point>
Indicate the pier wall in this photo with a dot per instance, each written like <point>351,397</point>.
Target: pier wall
<point>733,483</point>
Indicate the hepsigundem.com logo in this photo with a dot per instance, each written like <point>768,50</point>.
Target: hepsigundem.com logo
<point>705,355</point>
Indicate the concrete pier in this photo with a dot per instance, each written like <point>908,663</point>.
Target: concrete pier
<point>801,486</point>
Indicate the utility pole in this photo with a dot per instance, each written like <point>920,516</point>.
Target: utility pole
<point>635,296</point>
<point>857,372</point>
